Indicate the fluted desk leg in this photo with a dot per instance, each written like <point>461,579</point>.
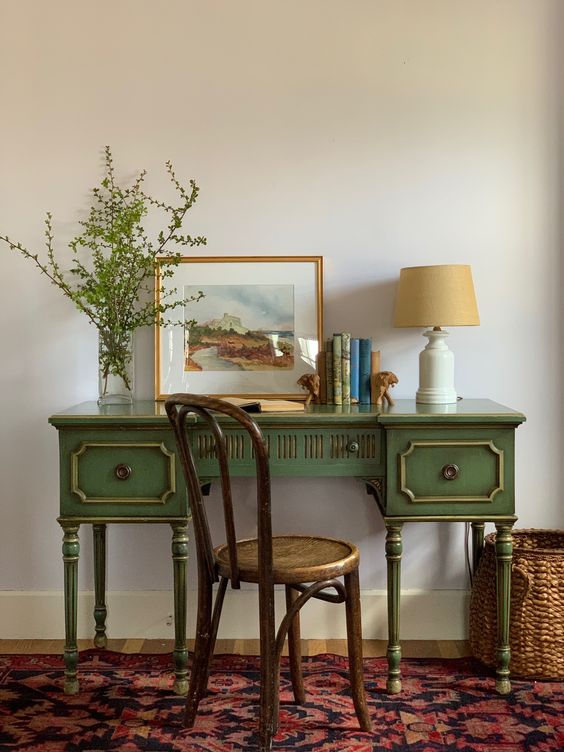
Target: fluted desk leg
<point>71,553</point>
<point>100,608</point>
<point>180,559</point>
<point>504,556</point>
<point>393,558</point>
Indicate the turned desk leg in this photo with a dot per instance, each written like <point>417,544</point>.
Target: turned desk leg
<point>477,544</point>
<point>503,555</point>
<point>100,608</point>
<point>71,553</point>
<point>393,559</point>
<point>179,560</point>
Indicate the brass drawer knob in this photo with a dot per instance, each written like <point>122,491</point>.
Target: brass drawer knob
<point>450,472</point>
<point>353,446</point>
<point>122,472</point>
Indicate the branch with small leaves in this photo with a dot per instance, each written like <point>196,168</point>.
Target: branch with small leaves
<point>113,261</point>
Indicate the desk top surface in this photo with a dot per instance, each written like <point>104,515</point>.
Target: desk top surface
<point>404,411</point>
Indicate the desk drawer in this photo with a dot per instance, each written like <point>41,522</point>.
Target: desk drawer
<point>296,452</point>
<point>450,471</point>
<point>137,476</point>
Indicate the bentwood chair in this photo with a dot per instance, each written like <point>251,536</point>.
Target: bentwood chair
<point>307,565</point>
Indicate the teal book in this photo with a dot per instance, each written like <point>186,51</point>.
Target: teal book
<point>346,368</point>
<point>355,374</point>
<point>364,370</point>
<point>337,370</point>
<point>329,370</point>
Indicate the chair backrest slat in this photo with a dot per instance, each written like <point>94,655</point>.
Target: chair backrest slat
<point>200,523</point>
<point>178,406</point>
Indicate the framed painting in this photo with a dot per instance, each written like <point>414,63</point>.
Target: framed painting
<point>250,326</point>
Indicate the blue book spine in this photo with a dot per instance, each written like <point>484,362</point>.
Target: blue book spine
<point>355,369</point>
<point>364,368</point>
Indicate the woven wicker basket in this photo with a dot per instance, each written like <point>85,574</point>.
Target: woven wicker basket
<point>537,605</point>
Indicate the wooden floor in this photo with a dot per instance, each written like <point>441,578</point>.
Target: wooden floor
<point>371,648</point>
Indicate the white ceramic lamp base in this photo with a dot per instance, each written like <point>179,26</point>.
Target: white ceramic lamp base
<point>436,371</point>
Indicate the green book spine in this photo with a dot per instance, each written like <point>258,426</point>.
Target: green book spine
<point>329,370</point>
<point>346,368</point>
<point>337,370</point>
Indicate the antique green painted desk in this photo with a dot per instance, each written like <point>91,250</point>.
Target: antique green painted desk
<point>421,463</point>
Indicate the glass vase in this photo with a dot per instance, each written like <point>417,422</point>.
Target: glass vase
<point>115,367</point>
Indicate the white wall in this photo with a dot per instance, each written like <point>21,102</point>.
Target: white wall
<point>378,134</point>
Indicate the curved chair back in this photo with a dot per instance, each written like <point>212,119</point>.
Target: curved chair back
<point>178,407</point>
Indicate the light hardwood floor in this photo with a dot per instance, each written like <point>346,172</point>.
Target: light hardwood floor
<point>371,648</point>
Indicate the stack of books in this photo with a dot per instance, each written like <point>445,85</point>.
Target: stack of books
<point>345,367</point>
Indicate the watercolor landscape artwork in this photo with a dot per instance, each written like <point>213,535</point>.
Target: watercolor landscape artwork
<point>256,329</point>
<point>240,327</point>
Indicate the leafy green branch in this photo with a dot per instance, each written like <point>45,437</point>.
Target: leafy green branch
<point>113,259</point>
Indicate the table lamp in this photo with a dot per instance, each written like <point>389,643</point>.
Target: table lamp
<point>436,296</point>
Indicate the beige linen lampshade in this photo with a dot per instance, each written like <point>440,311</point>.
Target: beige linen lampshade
<point>441,295</point>
<point>436,296</point>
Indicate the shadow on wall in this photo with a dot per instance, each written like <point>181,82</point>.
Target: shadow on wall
<point>366,310</point>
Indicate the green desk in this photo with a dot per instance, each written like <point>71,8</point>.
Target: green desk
<point>421,463</point>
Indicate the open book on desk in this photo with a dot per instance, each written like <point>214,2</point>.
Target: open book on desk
<point>251,405</point>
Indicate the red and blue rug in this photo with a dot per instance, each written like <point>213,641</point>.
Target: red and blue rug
<point>126,703</point>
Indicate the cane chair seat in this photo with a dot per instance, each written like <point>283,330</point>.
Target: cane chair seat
<point>295,559</point>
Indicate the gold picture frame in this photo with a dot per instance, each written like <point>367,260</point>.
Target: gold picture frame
<point>274,311</point>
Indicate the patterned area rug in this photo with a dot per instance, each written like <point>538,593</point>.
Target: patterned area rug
<point>126,704</point>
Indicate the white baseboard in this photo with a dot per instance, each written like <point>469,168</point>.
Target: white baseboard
<point>425,615</point>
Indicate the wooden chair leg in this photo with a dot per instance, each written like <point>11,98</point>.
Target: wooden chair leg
<point>217,606</point>
<point>268,669</point>
<point>295,649</point>
<point>268,721</point>
<point>354,640</point>
<point>201,660</point>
